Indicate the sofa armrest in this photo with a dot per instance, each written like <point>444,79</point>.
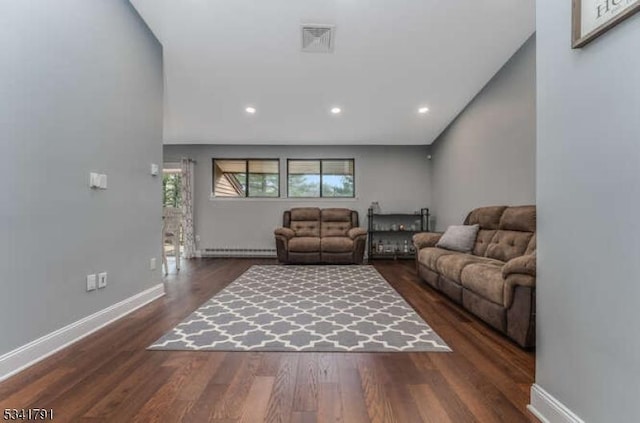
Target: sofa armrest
<point>523,265</point>
<point>285,232</point>
<point>356,232</point>
<point>426,239</point>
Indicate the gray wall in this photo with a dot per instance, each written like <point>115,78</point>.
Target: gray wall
<point>81,90</point>
<point>487,155</point>
<point>588,226</point>
<point>396,177</point>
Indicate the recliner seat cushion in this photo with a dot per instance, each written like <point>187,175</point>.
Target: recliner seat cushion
<point>485,280</point>
<point>304,244</point>
<point>429,256</point>
<point>451,266</point>
<point>336,245</point>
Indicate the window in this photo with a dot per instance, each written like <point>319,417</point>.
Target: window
<point>171,185</point>
<point>246,178</point>
<point>320,178</point>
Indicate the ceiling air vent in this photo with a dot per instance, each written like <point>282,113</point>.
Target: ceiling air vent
<point>317,38</point>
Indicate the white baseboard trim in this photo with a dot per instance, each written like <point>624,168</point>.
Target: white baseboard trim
<point>27,355</point>
<point>548,409</point>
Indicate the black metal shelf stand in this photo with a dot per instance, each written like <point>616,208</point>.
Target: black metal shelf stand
<point>390,234</point>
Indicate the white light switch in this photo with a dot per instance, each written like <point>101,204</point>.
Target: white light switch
<point>155,169</point>
<point>103,181</point>
<point>91,282</point>
<point>152,264</point>
<point>94,180</point>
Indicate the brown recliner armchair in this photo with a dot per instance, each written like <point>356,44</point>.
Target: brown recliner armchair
<point>313,235</point>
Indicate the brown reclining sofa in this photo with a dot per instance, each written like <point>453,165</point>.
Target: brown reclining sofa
<point>313,235</point>
<point>497,280</point>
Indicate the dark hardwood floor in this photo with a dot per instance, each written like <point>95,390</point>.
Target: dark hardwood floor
<point>110,377</point>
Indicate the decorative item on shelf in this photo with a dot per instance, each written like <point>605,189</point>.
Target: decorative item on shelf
<point>401,227</point>
<point>375,206</point>
<point>394,227</point>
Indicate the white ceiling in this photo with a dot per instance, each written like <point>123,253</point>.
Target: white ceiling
<point>390,57</point>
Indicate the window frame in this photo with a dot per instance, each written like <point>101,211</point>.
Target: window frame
<point>246,194</point>
<point>321,196</point>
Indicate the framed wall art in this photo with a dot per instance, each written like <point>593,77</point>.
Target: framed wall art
<point>592,18</point>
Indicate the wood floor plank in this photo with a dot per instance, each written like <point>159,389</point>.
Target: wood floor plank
<point>280,406</point>
<point>375,392</point>
<point>257,399</point>
<point>110,376</point>
<point>354,406</point>
<point>231,405</point>
<point>329,404</point>
<point>306,393</point>
<point>429,406</point>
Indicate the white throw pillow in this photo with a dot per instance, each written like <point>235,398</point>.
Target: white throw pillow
<point>459,238</point>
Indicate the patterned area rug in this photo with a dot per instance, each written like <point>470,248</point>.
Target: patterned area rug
<point>305,308</point>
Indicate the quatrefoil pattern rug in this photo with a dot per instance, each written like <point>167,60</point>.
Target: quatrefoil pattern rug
<point>305,308</point>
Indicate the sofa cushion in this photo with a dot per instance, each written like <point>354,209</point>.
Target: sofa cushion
<point>506,245</point>
<point>426,239</point>
<point>335,222</point>
<point>520,218</point>
<point>486,217</point>
<point>451,266</point>
<point>285,232</point>
<point>305,213</point>
<point>459,238</point>
<point>306,228</point>
<point>304,244</point>
<point>336,215</point>
<point>336,245</point>
<point>531,248</point>
<point>484,280</point>
<point>335,229</point>
<point>483,239</point>
<point>525,265</point>
<point>428,257</point>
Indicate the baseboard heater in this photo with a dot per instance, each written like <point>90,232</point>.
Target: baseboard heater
<point>238,252</point>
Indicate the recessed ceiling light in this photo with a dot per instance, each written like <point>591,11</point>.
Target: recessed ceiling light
<point>423,110</point>
<point>250,110</point>
<point>336,110</point>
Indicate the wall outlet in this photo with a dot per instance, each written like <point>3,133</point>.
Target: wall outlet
<point>102,280</point>
<point>152,264</point>
<point>155,169</point>
<point>91,282</point>
<point>197,238</point>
